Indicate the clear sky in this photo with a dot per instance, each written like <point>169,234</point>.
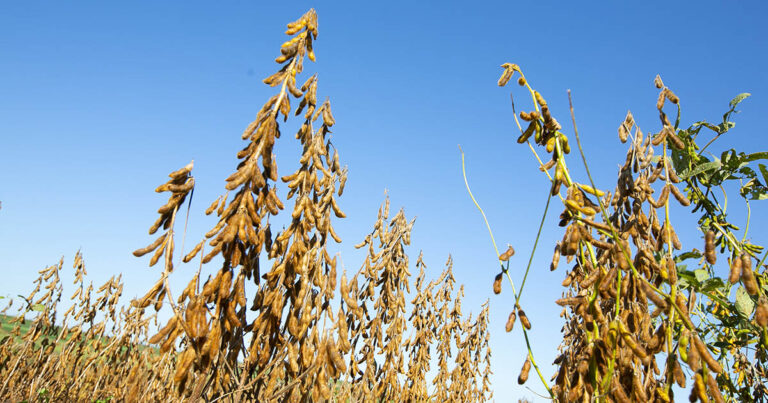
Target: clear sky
<point>99,101</point>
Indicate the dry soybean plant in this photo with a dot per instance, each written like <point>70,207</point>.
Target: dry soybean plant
<point>637,320</point>
<point>291,338</point>
<point>97,352</point>
<point>375,323</point>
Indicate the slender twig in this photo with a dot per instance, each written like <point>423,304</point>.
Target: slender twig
<point>533,251</point>
<point>506,272</point>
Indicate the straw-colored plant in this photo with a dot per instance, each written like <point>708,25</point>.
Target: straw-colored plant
<point>291,338</point>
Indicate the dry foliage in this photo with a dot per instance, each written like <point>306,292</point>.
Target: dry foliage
<point>293,338</point>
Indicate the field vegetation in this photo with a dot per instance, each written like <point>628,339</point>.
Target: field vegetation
<point>270,315</point>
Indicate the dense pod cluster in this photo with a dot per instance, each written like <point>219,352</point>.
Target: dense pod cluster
<point>381,361</point>
<point>628,326</point>
<point>290,339</point>
<point>96,354</point>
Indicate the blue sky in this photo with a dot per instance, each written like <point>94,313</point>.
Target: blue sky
<point>99,101</point>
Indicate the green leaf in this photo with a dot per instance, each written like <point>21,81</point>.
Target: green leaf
<point>701,275</point>
<point>707,166</point>
<point>762,155</point>
<point>737,100</point>
<point>38,307</point>
<point>686,279</point>
<point>744,304</point>
<point>713,284</point>
<point>724,127</point>
<point>764,172</point>
<point>703,123</point>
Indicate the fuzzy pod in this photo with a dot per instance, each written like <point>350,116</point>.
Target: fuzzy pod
<point>511,321</point>
<point>677,372</point>
<point>626,127</point>
<point>761,313</point>
<point>194,252</point>
<point>709,247</point>
<point>714,389</point>
<point>143,251</point>
<point>507,254</point>
<point>747,275</point>
<point>735,271</point>
<point>712,364</point>
<point>699,389</point>
<point>555,258</point>
<point>523,377</point>
<point>672,271</point>
<point>678,194</point>
<point>505,76</point>
<point>524,319</point>
<point>497,284</point>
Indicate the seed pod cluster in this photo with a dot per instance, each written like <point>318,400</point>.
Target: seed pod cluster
<point>181,185</point>
<point>617,304</point>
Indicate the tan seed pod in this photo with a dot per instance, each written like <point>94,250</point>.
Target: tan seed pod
<point>555,258</point>
<point>679,195</point>
<point>636,348</point>
<point>661,99</point>
<point>570,301</point>
<point>626,127</point>
<point>761,313</point>
<point>591,190</point>
<point>216,250</point>
<point>677,373</point>
<point>151,247</point>
<point>659,138</point>
<point>523,377</point>
<point>672,97</point>
<point>505,76</point>
<point>657,82</point>
<point>699,389</point>
<point>497,284</point>
<point>521,81</point>
<point>663,197</point>
<point>709,247</point>
<point>181,173</point>
<point>637,386</point>
<point>507,254</point>
<point>673,175</point>
<point>511,321</point>
<point>735,272</point>
<point>712,364</point>
<point>185,361</point>
<point>158,253</point>
<point>671,271</point>
<point>693,359</point>
<point>191,255</point>
<point>524,319</point>
<point>747,275</point>
<point>675,141</point>
<point>714,389</point>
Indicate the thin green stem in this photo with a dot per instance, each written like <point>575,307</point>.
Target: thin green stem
<point>749,216</point>
<point>466,183</point>
<point>535,244</point>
